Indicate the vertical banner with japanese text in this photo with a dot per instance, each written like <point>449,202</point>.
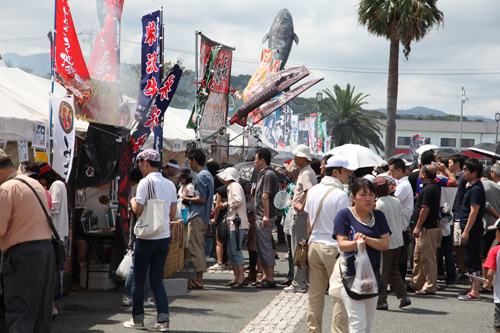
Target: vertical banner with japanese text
<point>64,135</point>
<point>295,131</point>
<point>324,133</point>
<point>105,60</point>
<point>214,112</point>
<point>150,59</point>
<point>70,69</point>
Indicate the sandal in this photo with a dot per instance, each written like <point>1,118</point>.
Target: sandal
<point>266,284</point>
<point>424,292</point>
<point>194,285</point>
<point>230,283</point>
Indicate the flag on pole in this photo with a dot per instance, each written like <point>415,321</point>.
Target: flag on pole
<point>295,131</point>
<point>70,70</point>
<point>324,133</point>
<point>156,108</point>
<point>150,59</point>
<point>64,135</point>
<point>105,61</point>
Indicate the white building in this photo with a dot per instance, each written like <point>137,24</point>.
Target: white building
<point>444,134</point>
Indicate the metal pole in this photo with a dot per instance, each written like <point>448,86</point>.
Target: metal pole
<point>460,139</point>
<point>196,78</point>
<point>496,137</point>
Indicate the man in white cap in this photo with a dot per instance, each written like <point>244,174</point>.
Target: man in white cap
<point>151,251</point>
<point>323,248</point>
<point>298,229</point>
<point>170,170</point>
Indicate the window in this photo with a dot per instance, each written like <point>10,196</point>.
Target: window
<point>427,141</point>
<point>447,142</point>
<point>404,140</point>
<point>467,142</point>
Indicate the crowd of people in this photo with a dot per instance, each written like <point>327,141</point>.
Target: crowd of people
<point>437,218</point>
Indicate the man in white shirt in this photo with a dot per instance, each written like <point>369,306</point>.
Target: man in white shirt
<point>152,251</point>
<point>323,248</point>
<point>404,193</point>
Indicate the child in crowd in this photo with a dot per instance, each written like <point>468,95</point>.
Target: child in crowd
<point>492,264</point>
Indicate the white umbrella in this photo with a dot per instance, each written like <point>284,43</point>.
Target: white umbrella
<point>425,148</point>
<point>357,155</point>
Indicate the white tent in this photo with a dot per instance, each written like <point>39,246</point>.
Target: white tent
<point>24,100</point>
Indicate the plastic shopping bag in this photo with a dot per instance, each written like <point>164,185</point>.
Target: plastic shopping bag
<point>365,281</point>
<point>124,269</point>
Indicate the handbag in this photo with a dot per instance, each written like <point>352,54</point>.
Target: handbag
<point>56,240</point>
<point>152,220</point>
<point>367,283</point>
<point>302,250</point>
<point>124,268</point>
<point>335,279</point>
<point>223,231</point>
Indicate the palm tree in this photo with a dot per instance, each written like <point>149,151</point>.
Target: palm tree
<point>349,123</point>
<point>400,21</point>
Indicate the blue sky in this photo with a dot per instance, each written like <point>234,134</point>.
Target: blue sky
<point>332,44</point>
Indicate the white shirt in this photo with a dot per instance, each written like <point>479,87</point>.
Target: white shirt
<point>164,190</point>
<point>59,209</point>
<point>393,212</point>
<point>404,193</point>
<point>334,202</point>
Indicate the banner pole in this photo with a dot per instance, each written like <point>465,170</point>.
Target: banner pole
<point>50,155</point>
<point>196,33</point>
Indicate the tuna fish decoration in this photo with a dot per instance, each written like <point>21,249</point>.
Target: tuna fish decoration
<point>281,36</point>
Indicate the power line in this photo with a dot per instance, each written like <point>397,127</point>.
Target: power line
<point>325,68</point>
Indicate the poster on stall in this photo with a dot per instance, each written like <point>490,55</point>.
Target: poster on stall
<point>40,136</point>
<point>64,136</point>
<point>3,144</point>
<point>22,149</point>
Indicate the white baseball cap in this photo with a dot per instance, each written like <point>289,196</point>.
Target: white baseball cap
<point>339,162</point>
<point>303,151</point>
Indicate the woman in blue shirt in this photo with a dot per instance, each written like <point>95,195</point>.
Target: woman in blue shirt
<point>361,223</point>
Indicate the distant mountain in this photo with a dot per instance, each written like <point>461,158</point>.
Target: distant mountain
<point>417,111</point>
<point>420,110</point>
<point>40,62</point>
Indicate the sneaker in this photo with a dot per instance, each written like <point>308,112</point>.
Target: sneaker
<point>130,324</point>
<point>148,303</point>
<point>159,327</point>
<point>216,267</point>
<point>293,288</point>
<point>210,259</point>
<point>468,297</point>
<point>126,300</point>
<point>285,257</point>
<point>286,282</point>
<point>405,301</point>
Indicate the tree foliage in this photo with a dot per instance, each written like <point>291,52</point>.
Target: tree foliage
<point>349,123</point>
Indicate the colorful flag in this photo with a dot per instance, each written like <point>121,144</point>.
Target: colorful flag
<point>213,93</point>
<point>105,60</point>
<point>64,135</point>
<point>324,133</point>
<point>150,59</point>
<point>260,74</point>
<point>272,86</point>
<point>70,70</point>
<point>328,141</point>
<point>156,108</point>
<point>102,105</point>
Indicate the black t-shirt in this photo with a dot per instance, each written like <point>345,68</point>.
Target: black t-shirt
<point>459,197</point>
<point>429,197</point>
<point>413,178</point>
<point>474,195</point>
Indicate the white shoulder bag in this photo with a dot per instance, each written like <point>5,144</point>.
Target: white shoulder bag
<point>152,220</point>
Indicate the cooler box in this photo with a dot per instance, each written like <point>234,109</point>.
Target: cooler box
<point>97,280</point>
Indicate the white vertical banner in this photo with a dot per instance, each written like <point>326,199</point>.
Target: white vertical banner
<point>295,131</point>
<point>64,135</point>
<point>22,149</point>
<point>328,139</point>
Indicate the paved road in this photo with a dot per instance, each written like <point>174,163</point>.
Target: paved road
<point>220,309</point>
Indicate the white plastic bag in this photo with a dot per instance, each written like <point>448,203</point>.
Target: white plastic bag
<point>124,269</point>
<point>288,222</point>
<point>365,281</point>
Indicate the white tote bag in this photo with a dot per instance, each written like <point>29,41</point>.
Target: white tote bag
<point>152,220</point>
<point>124,269</point>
